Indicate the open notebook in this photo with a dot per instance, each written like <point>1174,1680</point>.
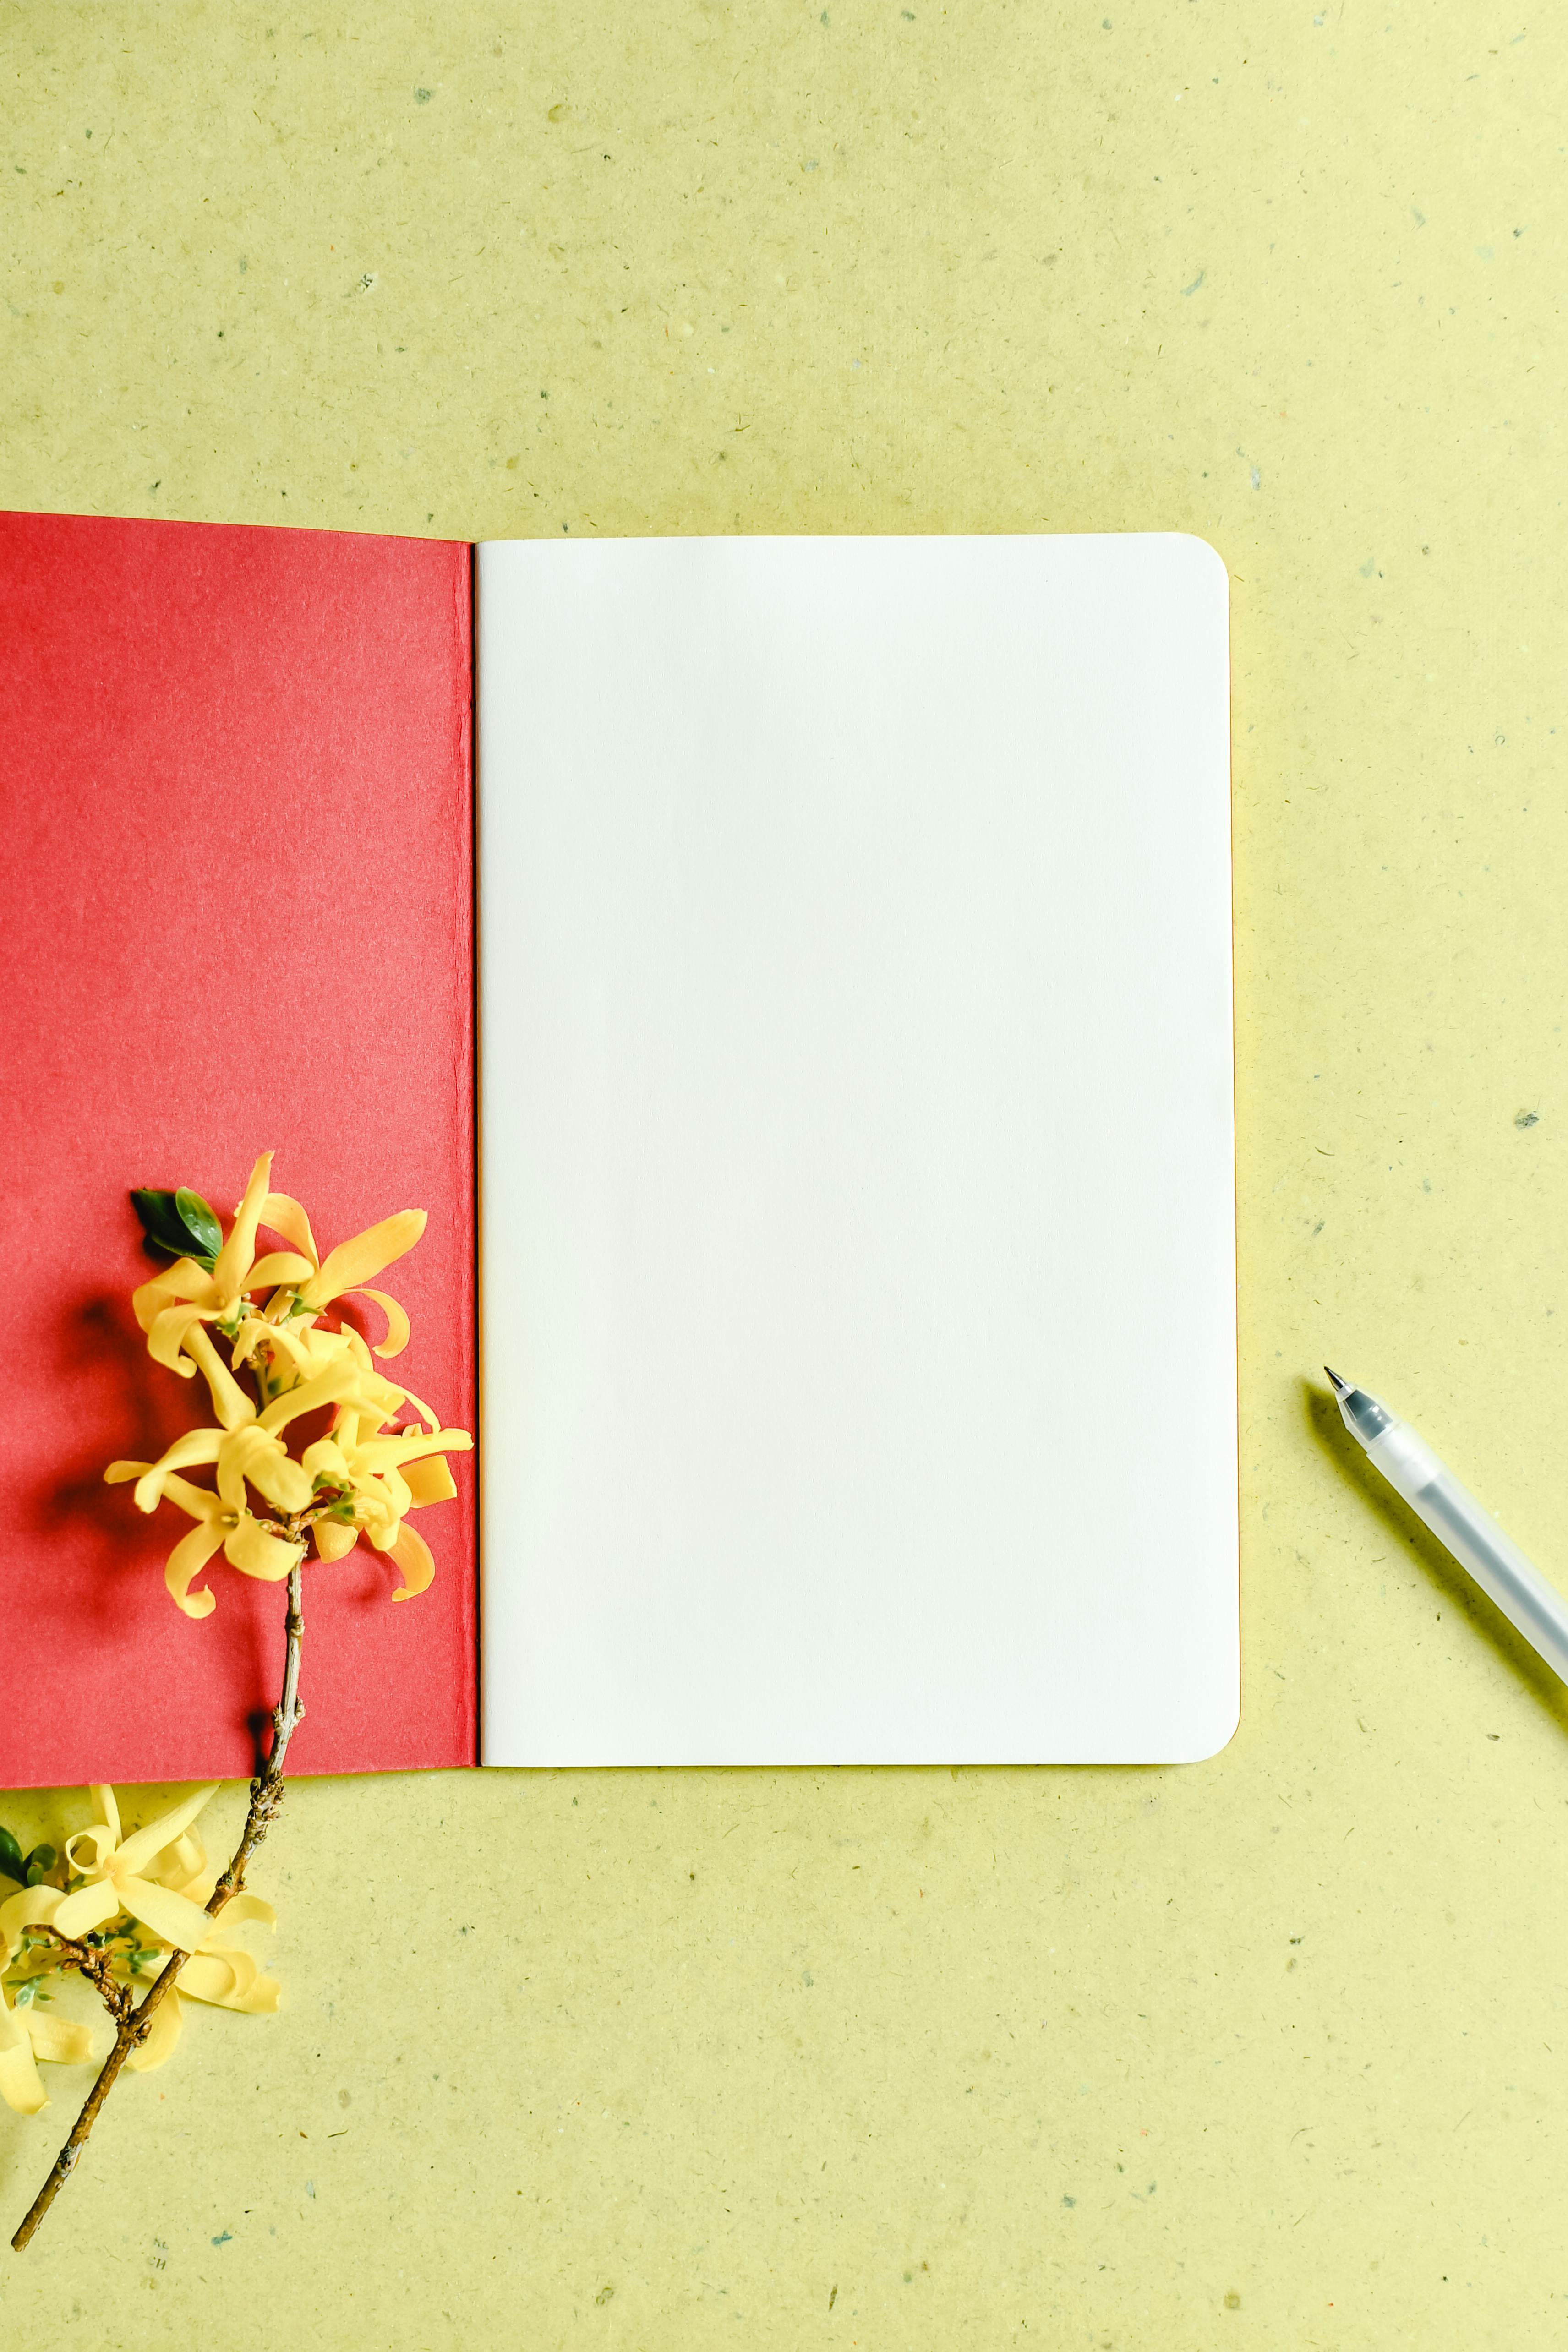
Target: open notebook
<point>857,1267</point>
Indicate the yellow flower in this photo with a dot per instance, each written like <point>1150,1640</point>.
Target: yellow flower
<point>314,1284</point>
<point>250,1446</point>
<point>364,1478</point>
<point>116,1875</point>
<point>160,1879</point>
<point>247,1543</point>
<point>173,1305</point>
<point>217,1971</point>
<point>347,1268</point>
<point>221,1973</point>
<point>282,1355</point>
<point>176,1303</point>
<point>387,1475</point>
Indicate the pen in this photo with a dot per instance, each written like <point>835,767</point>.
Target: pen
<point>1457,1520</point>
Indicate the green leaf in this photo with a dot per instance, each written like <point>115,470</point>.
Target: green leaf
<point>199,1220</point>
<point>169,1227</point>
<point>10,1861</point>
<point>159,1219</point>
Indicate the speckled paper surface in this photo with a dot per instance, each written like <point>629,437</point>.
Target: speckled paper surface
<point>1159,2061</point>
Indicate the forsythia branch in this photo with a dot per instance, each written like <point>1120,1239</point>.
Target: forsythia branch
<point>230,1310</point>
<point>134,2022</point>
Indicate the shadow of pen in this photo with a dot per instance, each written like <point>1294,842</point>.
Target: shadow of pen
<point>1458,1587</point>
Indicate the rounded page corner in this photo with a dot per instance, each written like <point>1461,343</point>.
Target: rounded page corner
<point>1215,1737</point>
<point>1201,559</point>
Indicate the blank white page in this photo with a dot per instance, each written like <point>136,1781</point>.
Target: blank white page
<point>857,1263</point>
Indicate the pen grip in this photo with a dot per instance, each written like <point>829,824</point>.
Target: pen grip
<point>1532,1605</point>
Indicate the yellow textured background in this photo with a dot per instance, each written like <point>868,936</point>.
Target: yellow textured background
<point>1268,2052</point>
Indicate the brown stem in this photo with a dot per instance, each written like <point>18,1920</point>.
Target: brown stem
<point>134,2023</point>
<point>95,1964</point>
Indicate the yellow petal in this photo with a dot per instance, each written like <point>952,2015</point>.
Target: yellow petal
<point>30,1906</point>
<point>243,1967</point>
<point>259,1996</point>
<point>143,1844</point>
<point>353,1263</point>
<point>345,1430</point>
<point>162,2034</point>
<point>396,1487</point>
<point>254,1453</point>
<point>197,1500</point>
<point>200,1501</point>
<point>230,1979</point>
<point>239,1908</point>
<point>105,1810</point>
<point>290,1340</point>
<point>87,1908</point>
<point>343,1378</point>
<point>179,1864</point>
<point>277,1268</point>
<point>262,1998</point>
<point>19,2085</point>
<point>190,1555</point>
<point>244,1340</point>
<point>379,1515</point>
<point>59,2038</point>
<point>394,1451</point>
<point>207,1976</point>
<point>285,1216</point>
<point>234,1258</point>
<point>378,1398</point>
<point>412,1554</point>
<point>196,1446</point>
<point>230,1402</point>
<point>184,1279</point>
<point>431,1419</point>
<point>396,1337</point>
<point>323,1346</point>
<point>333,1539</point>
<point>231,1469</point>
<point>429,1481</point>
<point>255,1551</point>
<point>167,1337</point>
<point>88,1851</point>
<point>325,1459</point>
<point>174,1917</point>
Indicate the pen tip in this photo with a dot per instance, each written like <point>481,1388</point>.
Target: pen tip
<point>1341,1388</point>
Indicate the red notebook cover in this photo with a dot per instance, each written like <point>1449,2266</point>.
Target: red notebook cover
<point>235,915</point>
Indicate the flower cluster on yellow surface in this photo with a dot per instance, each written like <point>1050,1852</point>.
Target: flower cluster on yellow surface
<point>118,1904</point>
<point>371,1468</point>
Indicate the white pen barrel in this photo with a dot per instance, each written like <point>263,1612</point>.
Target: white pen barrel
<point>1476,1540</point>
